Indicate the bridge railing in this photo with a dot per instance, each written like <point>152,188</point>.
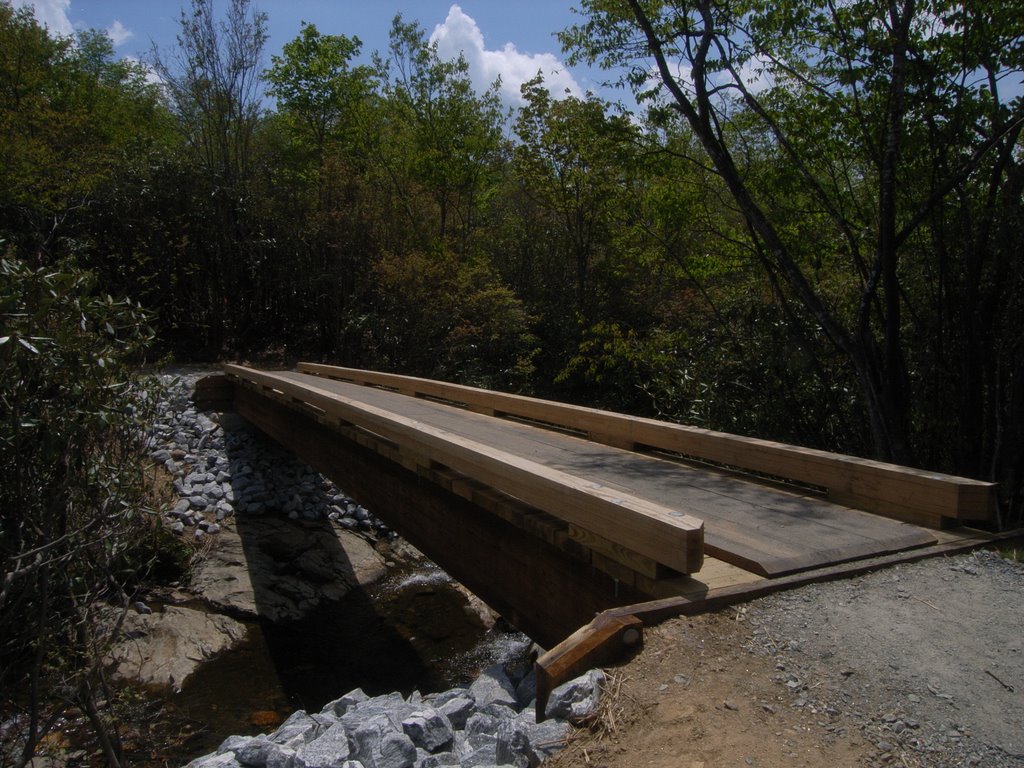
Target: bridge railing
<point>902,493</point>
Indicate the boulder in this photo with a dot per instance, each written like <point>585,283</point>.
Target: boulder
<point>493,686</point>
<point>349,701</point>
<point>259,752</point>
<point>282,571</point>
<point>297,730</point>
<point>165,648</point>
<point>328,750</point>
<point>457,710</point>
<point>377,743</point>
<point>429,729</point>
<point>577,699</point>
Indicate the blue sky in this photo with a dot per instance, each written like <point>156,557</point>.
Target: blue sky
<point>513,39</point>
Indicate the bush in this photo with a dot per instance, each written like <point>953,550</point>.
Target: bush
<point>72,495</point>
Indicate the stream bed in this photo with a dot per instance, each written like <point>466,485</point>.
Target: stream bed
<point>414,630</point>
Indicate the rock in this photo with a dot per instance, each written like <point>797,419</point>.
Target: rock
<point>543,739</point>
<point>376,743</point>
<point>493,685</point>
<point>342,705</point>
<point>512,745</point>
<point>577,699</point>
<point>429,729</point>
<point>165,648</point>
<point>276,562</point>
<point>482,723</point>
<point>234,743</point>
<point>391,705</point>
<point>328,750</point>
<point>439,760</point>
<point>226,760</point>
<point>262,753</point>
<point>297,730</point>
<point>457,710</point>
<point>480,750</point>
<point>526,691</point>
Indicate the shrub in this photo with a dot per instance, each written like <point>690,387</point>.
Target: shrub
<point>72,494</point>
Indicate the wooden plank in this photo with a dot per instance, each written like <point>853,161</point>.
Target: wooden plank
<point>659,610</point>
<point>885,489</point>
<point>214,393</point>
<point>619,554</point>
<point>714,575</point>
<point>768,530</point>
<point>667,535</point>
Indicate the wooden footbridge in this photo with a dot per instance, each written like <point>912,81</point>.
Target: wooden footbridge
<point>555,514</point>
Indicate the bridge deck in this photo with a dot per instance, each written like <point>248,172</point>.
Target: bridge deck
<point>764,529</point>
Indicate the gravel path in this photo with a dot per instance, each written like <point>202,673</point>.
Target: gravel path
<point>927,657</point>
<point>915,665</point>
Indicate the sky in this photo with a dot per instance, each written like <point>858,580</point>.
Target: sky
<point>498,37</point>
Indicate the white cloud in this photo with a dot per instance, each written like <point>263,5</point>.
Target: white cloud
<point>119,33</point>
<point>460,34</point>
<point>52,14</point>
<point>151,76</point>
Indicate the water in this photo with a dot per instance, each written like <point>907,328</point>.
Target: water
<point>416,630</point>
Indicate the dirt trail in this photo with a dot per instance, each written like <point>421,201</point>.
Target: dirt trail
<point>916,665</point>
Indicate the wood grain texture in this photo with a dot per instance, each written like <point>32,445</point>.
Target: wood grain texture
<point>769,531</point>
<point>664,534</point>
<point>903,493</point>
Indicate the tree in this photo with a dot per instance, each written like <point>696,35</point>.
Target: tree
<point>213,83</point>
<point>316,200</point>
<point>573,157</point>
<point>439,138</point>
<point>70,114</point>
<point>881,120</point>
<point>316,86</point>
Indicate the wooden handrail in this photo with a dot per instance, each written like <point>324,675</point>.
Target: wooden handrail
<point>668,536</point>
<point>903,493</point>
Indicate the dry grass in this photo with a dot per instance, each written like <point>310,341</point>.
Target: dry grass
<point>618,709</point>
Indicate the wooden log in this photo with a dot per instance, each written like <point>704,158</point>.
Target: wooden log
<point>902,493</point>
<point>601,641</point>
<point>619,554</point>
<point>669,536</point>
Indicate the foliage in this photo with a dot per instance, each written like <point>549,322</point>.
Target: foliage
<point>69,115</point>
<point>70,503</point>
<point>441,317</point>
<point>316,85</point>
<point>855,139</point>
<point>811,234</point>
<point>441,142</point>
